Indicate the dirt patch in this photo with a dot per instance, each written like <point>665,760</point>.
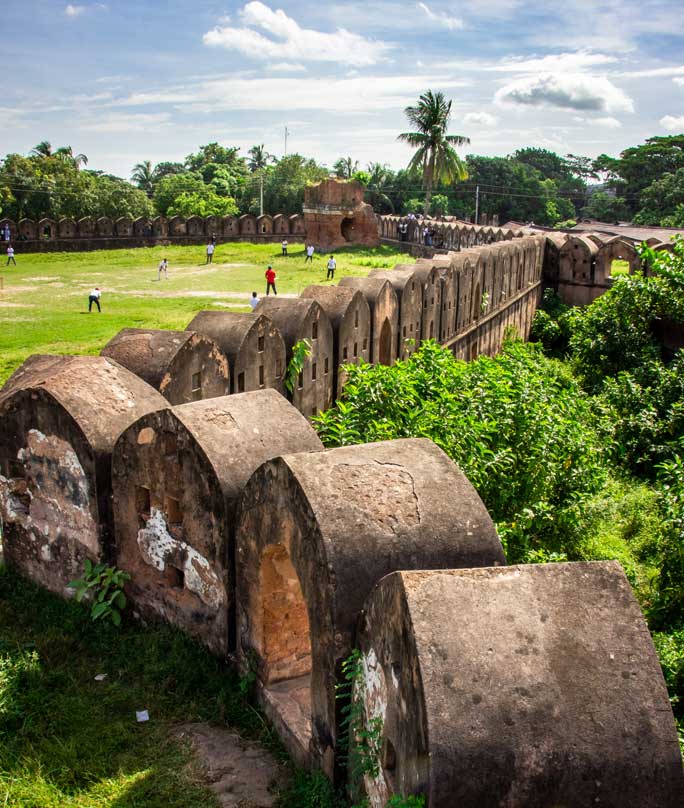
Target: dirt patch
<point>44,278</point>
<point>5,304</point>
<point>241,774</point>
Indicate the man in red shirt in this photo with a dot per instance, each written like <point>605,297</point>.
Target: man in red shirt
<point>270,280</point>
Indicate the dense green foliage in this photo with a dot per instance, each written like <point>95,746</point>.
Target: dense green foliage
<point>518,425</point>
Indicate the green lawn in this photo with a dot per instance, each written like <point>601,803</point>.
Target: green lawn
<point>43,307</point>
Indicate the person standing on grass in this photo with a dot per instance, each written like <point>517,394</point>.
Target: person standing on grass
<point>284,246</point>
<point>332,266</point>
<point>213,238</point>
<point>210,252</point>
<point>10,256</point>
<point>163,267</point>
<point>94,297</point>
<point>309,253</point>
<point>254,300</point>
<point>270,280</point>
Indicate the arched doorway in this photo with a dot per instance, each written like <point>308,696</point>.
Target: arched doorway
<point>385,343</point>
<point>347,228</point>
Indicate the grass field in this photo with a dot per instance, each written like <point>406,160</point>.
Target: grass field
<point>44,303</point>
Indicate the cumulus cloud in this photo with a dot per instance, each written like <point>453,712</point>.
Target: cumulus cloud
<point>575,62</point>
<point>480,119</point>
<point>271,35</point>
<point>442,18</point>
<point>673,123</point>
<point>74,11</point>
<point>125,122</point>
<point>286,67</point>
<point>578,91</point>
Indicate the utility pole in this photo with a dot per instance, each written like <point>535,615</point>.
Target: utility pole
<point>261,192</point>
<point>477,204</point>
<point>286,134</point>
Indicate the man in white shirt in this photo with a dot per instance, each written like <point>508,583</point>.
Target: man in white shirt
<point>210,253</point>
<point>254,301</point>
<point>284,246</point>
<point>10,256</point>
<point>309,253</point>
<point>163,267</point>
<point>332,266</point>
<point>94,297</point>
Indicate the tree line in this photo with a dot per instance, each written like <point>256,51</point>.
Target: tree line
<point>644,184</point>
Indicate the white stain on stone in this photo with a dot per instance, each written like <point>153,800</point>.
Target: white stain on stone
<point>57,508</point>
<point>372,690</point>
<point>159,548</point>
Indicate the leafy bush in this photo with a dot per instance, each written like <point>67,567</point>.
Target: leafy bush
<point>518,425</point>
<point>105,586</point>
<point>551,324</point>
<point>668,610</point>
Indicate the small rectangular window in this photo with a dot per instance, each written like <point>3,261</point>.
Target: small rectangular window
<point>196,386</point>
<point>413,286</point>
<point>142,504</point>
<point>411,328</point>
<point>344,353</point>
<point>314,331</point>
<point>241,382</point>
<point>365,344</point>
<point>325,365</point>
<point>260,344</point>
<point>356,319</point>
<point>404,330</point>
<point>356,349</point>
<point>300,381</point>
<point>313,371</point>
<point>172,511</point>
<point>314,411</point>
<point>432,301</point>
<point>279,369</point>
<point>425,303</point>
<point>261,375</point>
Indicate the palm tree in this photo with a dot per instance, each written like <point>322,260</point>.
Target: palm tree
<point>345,167</point>
<point>435,156</point>
<point>259,158</point>
<point>43,149</point>
<point>66,153</point>
<point>143,176</point>
<point>379,175</point>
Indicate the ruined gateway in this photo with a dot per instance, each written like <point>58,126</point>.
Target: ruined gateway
<point>525,687</point>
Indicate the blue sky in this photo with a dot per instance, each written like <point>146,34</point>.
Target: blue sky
<point>127,81</point>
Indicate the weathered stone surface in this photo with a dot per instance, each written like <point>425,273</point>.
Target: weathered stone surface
<point>184,366</point>
<point>408,288</point>
<point>302,319</point>
<point>527,687</point>
<point>177,476</point>
<point>61,416</point>
<point>315,533</point>
<point>349,315</point>
<point>254,346</point>
<point>335,215</point>
<point>384,310</point>
<point>427,270</point>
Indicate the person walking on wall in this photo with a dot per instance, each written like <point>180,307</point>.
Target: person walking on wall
<point>210,252</point>
<point>10,256</point>
<point>94,297</point>
<point>284,246</point>
<point>6,233</point>
<point>270,281</point>
<point>254,301</point>
<point>163,267</point>
<point>332,266</point>
<point>309,253</point>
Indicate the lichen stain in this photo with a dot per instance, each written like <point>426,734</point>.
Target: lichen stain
<point>52,502</point>
<point>158,548</point>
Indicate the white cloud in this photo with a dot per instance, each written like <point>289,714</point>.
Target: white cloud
<point>124,122</point>
<point>606,123</point>
<point>679,81</point>
<point>74,11</point>
<point>578,91</point>
<point>575,62</point>
<point>286,67</point>
<point>442,18</point>
<point>287,40</point>
<point>356,94</point>
<point>480,119</point>
<point>657,72</point>
<point>673,123</point>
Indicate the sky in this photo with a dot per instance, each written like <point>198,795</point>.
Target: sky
<point>137,80</point>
